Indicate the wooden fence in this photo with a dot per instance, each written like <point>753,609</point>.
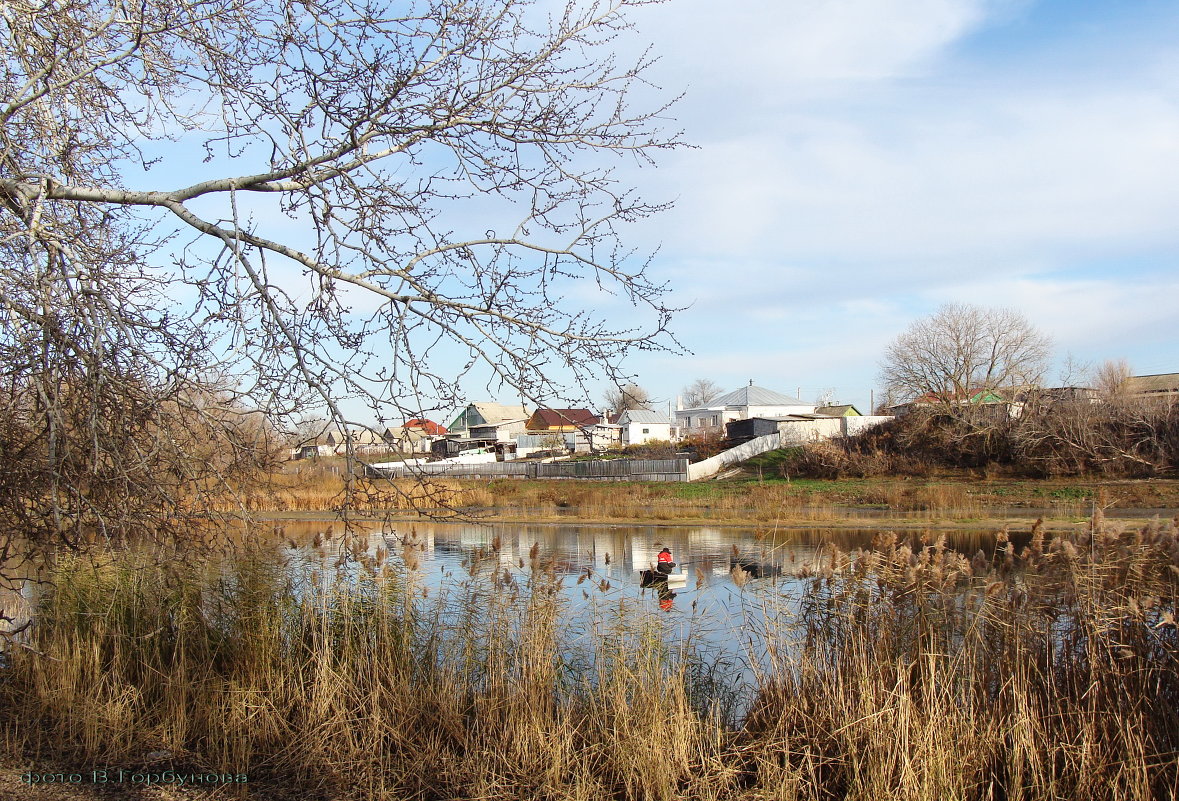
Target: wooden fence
<point>599,470</point>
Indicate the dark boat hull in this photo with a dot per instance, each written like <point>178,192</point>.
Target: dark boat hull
<point>654,578</point>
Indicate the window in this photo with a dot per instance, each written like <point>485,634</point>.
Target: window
<point>646,431</point>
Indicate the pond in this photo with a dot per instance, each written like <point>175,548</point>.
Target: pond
<point>737,607</point>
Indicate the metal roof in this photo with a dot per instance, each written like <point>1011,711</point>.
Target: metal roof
<point>838,410</point>
<point>644,416</point>
<point>751,395</point>
<point>499,412</point>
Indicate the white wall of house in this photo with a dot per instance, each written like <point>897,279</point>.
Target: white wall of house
<point>604,436</point>
<point>696,419</point>
<point>857,425</point>
<point>638,433</point>
<point>776,411</point>
<point>642,425</point>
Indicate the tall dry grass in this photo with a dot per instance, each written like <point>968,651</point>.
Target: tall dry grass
<point>899,672</point>
<point>1050,671</point>
<point>754,502</point>
<point>357,686</point>
<point>330,488</point>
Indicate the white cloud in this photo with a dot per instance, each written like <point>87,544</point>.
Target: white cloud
<point>1088,316</point>
<point>738,46</point>
<point>996,176</point>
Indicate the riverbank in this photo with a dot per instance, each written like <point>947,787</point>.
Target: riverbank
<point>951,500</point>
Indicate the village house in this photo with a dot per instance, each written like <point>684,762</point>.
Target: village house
<point>740,404</point>
<point>415,435</point>
<point>484,413</point>
<point>550,430</point>
<point>334,442</point>
<point>642,425</point>
<point>483,424</point>
<point>561,420</point>
<point>990,400</point>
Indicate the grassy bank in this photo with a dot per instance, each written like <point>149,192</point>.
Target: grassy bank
<point>1044,673</point>
<point>762,495</point>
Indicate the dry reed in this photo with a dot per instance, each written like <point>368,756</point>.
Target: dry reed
<point>1042,672</point>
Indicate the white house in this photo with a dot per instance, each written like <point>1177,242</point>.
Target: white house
<point>740,404</point>
<point>641,425</point>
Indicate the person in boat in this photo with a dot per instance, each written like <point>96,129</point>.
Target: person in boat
<point>665,564</point>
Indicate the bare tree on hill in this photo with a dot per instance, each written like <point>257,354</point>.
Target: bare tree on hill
<point>1110,379</point>
<point>945,359</point>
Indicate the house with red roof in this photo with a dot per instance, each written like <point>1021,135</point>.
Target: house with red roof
<point>561,420</point>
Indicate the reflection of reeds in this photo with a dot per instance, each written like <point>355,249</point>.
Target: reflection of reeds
<point>1042,670</point>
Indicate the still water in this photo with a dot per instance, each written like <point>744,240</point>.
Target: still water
<point>737,606</point>
<point>610,557</point>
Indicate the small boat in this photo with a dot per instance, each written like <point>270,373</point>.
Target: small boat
<point>656,578</point>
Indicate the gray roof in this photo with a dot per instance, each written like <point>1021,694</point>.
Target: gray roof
<point>751,395</point>
<point>645,416</point>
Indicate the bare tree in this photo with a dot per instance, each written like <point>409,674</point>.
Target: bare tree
<point>1110,379</point>
<point>825,397</point>
<point>700,392</point>
<point>391,195</point>
<point>947,358</point>
<point>628,396</point>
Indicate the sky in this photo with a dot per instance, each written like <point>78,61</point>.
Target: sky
<point>858,163</point>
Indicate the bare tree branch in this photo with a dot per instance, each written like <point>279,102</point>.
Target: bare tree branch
<point>218,214</point>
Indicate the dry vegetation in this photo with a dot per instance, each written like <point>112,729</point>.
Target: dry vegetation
<point>327,486</point>
<point>767,494</point>
<point>320,490</point>
<point>1120,438</point>
<point>898,672</point>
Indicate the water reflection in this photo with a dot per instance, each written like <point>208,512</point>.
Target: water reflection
<point>709,557</point>
<point>738,602</point>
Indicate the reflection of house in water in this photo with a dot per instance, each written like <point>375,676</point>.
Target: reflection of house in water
<point>569,548</point>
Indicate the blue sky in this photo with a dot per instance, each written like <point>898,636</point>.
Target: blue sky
<point>857,163</point>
